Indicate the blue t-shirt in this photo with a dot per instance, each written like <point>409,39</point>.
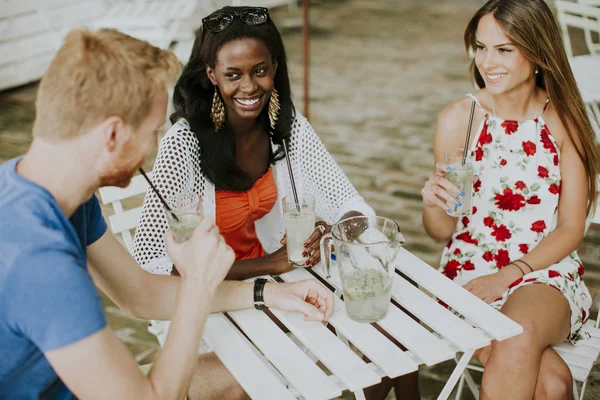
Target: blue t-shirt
<point>47,297</point>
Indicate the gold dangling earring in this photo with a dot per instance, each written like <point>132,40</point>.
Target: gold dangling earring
<point>217,111</point>
<point>274,108</point>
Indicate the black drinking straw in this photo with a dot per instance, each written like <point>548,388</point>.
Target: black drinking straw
<point>466,148</point>
<point>158,194</point>
<point>289,165</point>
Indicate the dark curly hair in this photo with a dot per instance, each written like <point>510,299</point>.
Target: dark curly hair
<point>194,91</point>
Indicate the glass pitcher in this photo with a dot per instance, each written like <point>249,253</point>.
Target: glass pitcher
<point>366,248</point>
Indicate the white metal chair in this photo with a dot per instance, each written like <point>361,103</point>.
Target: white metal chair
<point>123,222</point>
<point>582,16</point>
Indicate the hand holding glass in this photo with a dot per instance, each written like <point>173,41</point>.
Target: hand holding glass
<point>459,172</point>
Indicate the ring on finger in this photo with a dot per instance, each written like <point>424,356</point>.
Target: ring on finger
<point>321,228</point>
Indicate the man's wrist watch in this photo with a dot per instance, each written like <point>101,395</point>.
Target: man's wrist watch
<point>259,287</point>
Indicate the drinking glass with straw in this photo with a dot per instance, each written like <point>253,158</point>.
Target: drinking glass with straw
<point>183,210</point>
<point>460,172</point>
<point>299,218</point>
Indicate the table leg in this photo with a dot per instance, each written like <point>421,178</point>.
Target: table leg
<point>456,374</point>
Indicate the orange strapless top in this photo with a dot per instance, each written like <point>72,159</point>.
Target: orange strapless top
<point>237,211</point>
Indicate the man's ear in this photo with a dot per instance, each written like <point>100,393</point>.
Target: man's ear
<point>113,132</point>
<point>211,75</point>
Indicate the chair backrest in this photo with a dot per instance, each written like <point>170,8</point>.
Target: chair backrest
<point>579,15</point>
<point>124,221</point>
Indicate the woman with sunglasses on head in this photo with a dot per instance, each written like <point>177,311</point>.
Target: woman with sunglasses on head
<point>536,161</point>
<point>233,111</point>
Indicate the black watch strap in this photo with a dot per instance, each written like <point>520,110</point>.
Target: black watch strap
<point>259,287</point>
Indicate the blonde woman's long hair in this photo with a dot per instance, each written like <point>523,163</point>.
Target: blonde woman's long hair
<point>532,28</point>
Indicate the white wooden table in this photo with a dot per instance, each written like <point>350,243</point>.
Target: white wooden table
<point>270,365</point>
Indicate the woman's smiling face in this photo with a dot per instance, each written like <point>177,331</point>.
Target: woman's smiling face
<point>501,64</point>
<point>244,72</point>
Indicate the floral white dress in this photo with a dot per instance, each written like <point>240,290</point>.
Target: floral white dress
<point>515,205</point>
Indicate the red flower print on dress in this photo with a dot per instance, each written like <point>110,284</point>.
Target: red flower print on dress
<point>456,252</point>
<point>442,303</point>
<point>571,277</point>
<point>580,269</point>
<point>509,201</point>
<point>543,172</point>
<point>465,221</point>
<point>468,266</point>
<point>474,210</point>
<point>529,148</point>
<point>488,256</point>
<point>510,127</point>
<point>488,221</point>
<point>502,258</point>
<point>534,200</point>
<point>538,226</point>
<point>520,185</point>
<point>451,269</point>
<point>478,154</point>
<point>477,186</point>
<point>449,244</point>
<point>503,162</point>
<point>515,283</point>
<point>501,233</point>
<point>554,189</point>
<point>524,248</point>
<point>530,280</point>
<point>583,315</point>
<point>485,137</point>
<point>466,237</point>
<point>552,273</point>
<point>545,136</point>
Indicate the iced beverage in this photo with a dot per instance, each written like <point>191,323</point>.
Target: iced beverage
<point>367,294</point>
<point>187,207</point>
<point>183,229</point>
<point>462,176</point>
<point>299,222</point>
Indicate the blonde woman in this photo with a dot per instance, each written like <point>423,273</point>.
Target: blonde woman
<point>536,161</point>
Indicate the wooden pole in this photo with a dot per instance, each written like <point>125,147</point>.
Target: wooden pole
<point>306,51</point>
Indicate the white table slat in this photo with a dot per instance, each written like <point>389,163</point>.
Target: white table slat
<point>372,343</point>
<point>285,355</point>
<point>234,350</point>
<point>415,337</point>
<point>429,311</point>
<point>353,372</point>
<point>493,322</point>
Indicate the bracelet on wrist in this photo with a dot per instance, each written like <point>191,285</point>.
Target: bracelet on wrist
<point>526,264</point>
<point>259,287</point>
<point>520,269</point>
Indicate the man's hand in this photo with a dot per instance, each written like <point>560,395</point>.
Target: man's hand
<point>308,297</point>
<point>205,257</point>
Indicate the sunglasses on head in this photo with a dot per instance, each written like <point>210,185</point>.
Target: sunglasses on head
<point>218,22</point>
